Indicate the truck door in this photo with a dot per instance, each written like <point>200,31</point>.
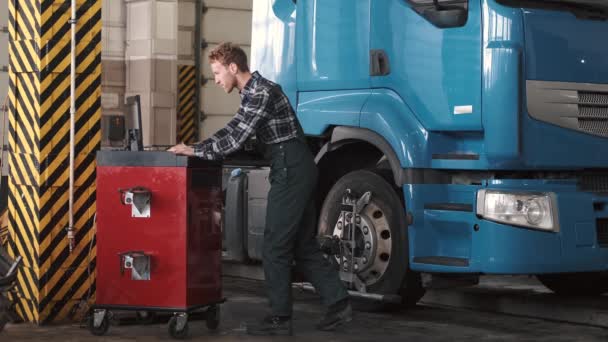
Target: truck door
<point>333,44</point>
<point>436,70</point>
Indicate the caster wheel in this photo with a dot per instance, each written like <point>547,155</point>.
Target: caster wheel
<point>177,334</point>
<point>102,328</point>
<point>213,317</point>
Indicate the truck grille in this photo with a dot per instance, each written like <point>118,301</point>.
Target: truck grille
<point>581,107</point>
<point>593,113</point>
<point>592,98</point>
<point>602,232</point>
<point>593,182</point>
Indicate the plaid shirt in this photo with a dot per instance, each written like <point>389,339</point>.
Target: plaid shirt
<point>265,111</point>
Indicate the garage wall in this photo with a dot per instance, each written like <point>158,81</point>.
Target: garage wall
<point>224,20</point>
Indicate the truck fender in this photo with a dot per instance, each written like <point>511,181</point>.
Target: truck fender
<point>344,135</point>
<point>388,124</point>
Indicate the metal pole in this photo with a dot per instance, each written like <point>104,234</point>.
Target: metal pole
<point>70,228</point>
<point>197,65</point>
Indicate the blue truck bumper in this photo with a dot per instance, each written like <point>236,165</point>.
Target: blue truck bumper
<point>453,239</point>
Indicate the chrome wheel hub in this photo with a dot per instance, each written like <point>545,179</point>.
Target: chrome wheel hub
<point>368,254</point>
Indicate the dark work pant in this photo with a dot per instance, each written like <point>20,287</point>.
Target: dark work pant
<point>291,230</point>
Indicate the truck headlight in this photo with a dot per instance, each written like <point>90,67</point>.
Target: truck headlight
<point>535,210</point>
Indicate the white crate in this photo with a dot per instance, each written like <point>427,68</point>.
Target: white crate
<point>186,13</point>
<point>112,98</point>
<point>113,73</point>
<point>151,49</point>
<point>151,75</point>
<point>113,42</point>
<point>113,12</point>
<point>151,29</point>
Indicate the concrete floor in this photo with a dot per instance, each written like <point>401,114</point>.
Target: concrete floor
<point>246,302</point>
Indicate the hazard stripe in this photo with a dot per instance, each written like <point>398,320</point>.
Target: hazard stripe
<point>79,289</point>
<point>11,20</point>
<point>23,137</point>
<point>60,212</point>
<point>53,124</point>
<point>39,130</point>
<point>186,112</point>
<point>27,15</point>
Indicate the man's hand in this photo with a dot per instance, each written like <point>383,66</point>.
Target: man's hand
<point>182,149</point>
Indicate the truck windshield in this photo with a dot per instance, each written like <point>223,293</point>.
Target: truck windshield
<point>588,9</point>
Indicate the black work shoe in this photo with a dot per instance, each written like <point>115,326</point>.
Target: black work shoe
<point>337,314</point>
<point>270,326</point>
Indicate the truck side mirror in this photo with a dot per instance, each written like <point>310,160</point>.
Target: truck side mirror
<point>449,15</point>
<point>446,17</point>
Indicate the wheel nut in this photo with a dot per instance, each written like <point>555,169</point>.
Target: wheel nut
<point>365,230</point>
<point>364,260</point>
<point>368,245</point>
<point>358,219</point>
<point>356,267</point>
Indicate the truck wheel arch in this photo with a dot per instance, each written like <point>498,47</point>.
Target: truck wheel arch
<point>343,135</point>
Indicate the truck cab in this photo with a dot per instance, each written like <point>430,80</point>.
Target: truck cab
<point>473,134</point>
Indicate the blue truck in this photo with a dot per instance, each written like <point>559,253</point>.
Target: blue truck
<point>454,138</point>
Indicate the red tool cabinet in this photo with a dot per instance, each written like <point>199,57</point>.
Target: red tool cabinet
<point>158,236</point>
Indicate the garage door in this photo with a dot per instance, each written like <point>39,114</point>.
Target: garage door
<point>223,21</point>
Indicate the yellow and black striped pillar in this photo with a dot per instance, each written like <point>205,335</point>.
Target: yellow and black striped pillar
<point>185,108</point>
<point>52,281</point>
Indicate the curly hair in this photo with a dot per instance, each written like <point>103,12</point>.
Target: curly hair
<point>227,53</point>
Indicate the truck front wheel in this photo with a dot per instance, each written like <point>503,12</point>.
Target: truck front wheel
<point>380,252</point>
<point>576,284</point>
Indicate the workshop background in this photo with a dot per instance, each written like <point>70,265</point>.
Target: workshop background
<point>148,48</point>
<point>125,47</point>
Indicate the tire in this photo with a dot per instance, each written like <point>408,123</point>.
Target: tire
<point>388,273</point>
<point>576,284</point>
<point>102,329</point>
<point>212,317</point>
<point>177,334</point>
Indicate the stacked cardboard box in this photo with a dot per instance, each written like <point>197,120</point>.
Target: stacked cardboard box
<point>151,65</point>
<point>112,62</point>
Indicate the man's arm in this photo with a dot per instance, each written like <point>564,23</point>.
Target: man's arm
<point>238,130</point>
<point>197,149</point>
<point>200,148</point>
